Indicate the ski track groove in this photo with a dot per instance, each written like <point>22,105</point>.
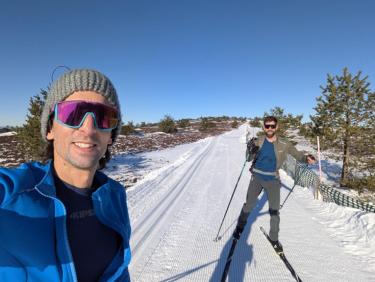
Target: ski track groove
<point>176,187</point>
<point>152,190</point>
<point>200,263</point>
<point>168,203</point>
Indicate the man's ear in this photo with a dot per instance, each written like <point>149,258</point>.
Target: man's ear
<point>110,141</point>
<point>113,134</point>
<point>50,136</point>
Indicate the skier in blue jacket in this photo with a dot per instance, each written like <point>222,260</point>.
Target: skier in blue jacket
<point>65,220</point>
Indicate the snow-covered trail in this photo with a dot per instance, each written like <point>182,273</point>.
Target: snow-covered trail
<point>177,208</point>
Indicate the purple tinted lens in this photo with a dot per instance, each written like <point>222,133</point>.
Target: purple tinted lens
<point>71,113</point>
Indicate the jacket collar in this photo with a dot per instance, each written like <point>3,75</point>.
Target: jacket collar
<point>47,184</point>
<point>263,137</point>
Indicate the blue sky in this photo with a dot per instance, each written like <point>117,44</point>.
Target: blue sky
<point>186,58</point>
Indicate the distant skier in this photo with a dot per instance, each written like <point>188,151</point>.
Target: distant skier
<point>65,220</point>
<point>268,154</point>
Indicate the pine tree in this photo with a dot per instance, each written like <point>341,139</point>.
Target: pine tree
<point>345,115</point>
<point>31,142</point>
<point>234,124</point>
<point>206,124</point>
<point>167,125</point>
<point>128,128</point>
<point>183,123</point>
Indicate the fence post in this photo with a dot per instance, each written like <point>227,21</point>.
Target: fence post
<point>316,194</point>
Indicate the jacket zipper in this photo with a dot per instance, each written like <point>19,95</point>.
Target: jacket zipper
<point>102,217</point>
<point>71,265</point>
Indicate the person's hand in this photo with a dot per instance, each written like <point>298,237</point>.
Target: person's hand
<point>252,148</point>
<point>311,159</point>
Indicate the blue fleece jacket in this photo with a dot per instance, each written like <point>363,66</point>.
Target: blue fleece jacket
<point>33,236</point>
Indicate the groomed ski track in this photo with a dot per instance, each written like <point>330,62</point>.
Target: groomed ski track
<point>177,209</point>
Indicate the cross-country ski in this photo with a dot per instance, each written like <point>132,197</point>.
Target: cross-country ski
<point>283,257</point>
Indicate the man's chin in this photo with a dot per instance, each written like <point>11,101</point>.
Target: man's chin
<point>87,164</point>
<point>270,135</point>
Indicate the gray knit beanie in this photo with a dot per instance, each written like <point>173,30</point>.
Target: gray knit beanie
<point>79,80</point>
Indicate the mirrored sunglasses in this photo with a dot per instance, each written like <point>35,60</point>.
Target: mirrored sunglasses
<point>73,114</point>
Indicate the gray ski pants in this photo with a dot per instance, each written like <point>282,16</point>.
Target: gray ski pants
<point>272,189</point>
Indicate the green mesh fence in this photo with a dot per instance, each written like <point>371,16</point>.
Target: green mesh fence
<point>302,175</point>
<point>332,195</point>
<point>305,177</point>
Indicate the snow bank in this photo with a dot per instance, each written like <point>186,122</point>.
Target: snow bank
<point>11,133</point>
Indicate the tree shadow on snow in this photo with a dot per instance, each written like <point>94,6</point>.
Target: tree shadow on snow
<point>331,170</point>
<point>131,160</point>
<point>243,253</point>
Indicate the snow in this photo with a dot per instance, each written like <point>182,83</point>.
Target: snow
<point>8,133</point>
<point>179,200</point>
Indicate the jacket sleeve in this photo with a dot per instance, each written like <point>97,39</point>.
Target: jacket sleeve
<point>5,184</point>
<point>10,181</point>
<point>2,193</point>
<point>298,155</point>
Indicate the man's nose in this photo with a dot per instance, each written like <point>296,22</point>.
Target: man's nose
<point>88,124</point>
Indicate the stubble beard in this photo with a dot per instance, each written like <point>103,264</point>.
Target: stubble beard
<point>84,162</point>
<point>270,134</point>
<point>81,161</point>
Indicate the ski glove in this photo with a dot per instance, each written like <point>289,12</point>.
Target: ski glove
<point>251,149</point>
<point>311,157</point>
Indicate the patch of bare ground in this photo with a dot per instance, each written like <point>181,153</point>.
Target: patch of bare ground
<point>10,154</point>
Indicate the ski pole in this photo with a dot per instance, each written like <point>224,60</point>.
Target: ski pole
<point>295,183</point>
<point>235,187</point>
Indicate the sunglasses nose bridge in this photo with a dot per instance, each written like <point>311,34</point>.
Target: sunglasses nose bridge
<point>89,123</point>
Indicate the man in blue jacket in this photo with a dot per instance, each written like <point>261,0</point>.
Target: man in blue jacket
<point>66,220</point>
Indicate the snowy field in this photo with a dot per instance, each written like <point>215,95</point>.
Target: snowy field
<point>178,202</point>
